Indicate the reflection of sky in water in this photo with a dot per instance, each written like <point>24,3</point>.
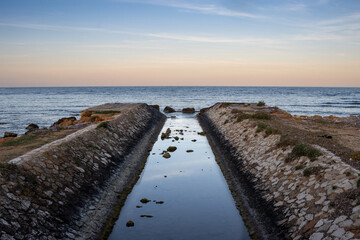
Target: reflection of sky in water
<point>197,201</point>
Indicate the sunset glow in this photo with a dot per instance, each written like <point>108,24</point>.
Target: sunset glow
<point>171,43</point>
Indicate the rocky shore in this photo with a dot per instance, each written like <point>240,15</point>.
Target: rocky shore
<point>68,188</point>
<point>287,187</point>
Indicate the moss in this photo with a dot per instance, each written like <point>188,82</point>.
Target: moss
<point>23,140</point>
<point>226,121</point>
<point>303,149</point>
<point>334,187</point>
<point>260,104</point>
<point>176,138</point>
<point>159,202</point>
<point>103,125</point>
<point>201,133</point>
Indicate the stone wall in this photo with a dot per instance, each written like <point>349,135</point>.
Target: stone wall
<point>306,207</point>
<point>43,193</point>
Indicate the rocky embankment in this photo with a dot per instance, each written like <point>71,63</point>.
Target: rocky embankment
<point>67,189</point>
<point>285,185</point>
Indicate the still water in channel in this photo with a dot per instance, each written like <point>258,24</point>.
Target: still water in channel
<point>193,199</point>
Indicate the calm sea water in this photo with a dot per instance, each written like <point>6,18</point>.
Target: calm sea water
<point>43,106</point>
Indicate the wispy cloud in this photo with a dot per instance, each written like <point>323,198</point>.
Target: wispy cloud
<point>200,8</point>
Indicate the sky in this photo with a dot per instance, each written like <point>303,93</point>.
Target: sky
<point>179,43</point>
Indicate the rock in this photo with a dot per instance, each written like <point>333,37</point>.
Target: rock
<point>189,150</point>
<point>9,134</point>
<point>2,123</point>
<point>168,109</point>
<point>172,149</point>
<point>147,216</point>
<point>166,134</point>
<point>64,122</point>
<point>157,107</point>
<point>316,236</point>
<point>130,223</point>
<point>32,127</point>
<point>85,113</point>
<point>188,110</point>
<point>194,140</point>
<point>201,133</point>
<point>166,155</point>
<point>144,200</point>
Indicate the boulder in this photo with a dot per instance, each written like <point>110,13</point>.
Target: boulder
<point>188,110</point>
<point>64,122</point>
<point>157,107</point>
<point>32,127</point>
<point>168,109</point>
<point>85,113</point>
<point>9,134</point>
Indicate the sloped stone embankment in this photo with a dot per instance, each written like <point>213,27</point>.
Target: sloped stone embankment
<point>281,197</point>
<point>66,189</point>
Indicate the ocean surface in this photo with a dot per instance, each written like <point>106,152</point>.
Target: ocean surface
<point>43,106</point>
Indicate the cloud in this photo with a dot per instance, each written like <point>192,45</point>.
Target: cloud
<point>211,9</point>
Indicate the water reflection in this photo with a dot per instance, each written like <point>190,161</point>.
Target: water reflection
<point>197,203</point>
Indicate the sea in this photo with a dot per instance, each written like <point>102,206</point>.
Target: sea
<point>45,105</point>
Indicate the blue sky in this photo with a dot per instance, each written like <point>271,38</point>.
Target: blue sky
<point>207,42</point>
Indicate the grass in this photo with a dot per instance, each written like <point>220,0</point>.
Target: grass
<point>107,112</point>
<point>285,141</point>
<point>261,127</point>
<point>103,125</point>
<point>298,167</point>
<point>260,104</point>
<point>261,115</point>
<point>268,130</point>
<point>224,105</point>
<point>302,149</point>
<point>23,140</point>
<point>354,156</point>
<point>311,170</point>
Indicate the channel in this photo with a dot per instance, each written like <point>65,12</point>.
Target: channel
<point>189,197</point>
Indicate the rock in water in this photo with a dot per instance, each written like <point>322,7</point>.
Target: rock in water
<point>130,223</point>
<point>9,134</point>
<point>168,109</point>
<point>172,149</point>
<point>32,127</point>
<point>167,155</point>
<point>188,110</point>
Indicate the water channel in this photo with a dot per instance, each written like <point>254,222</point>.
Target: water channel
<point>189,195</point>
